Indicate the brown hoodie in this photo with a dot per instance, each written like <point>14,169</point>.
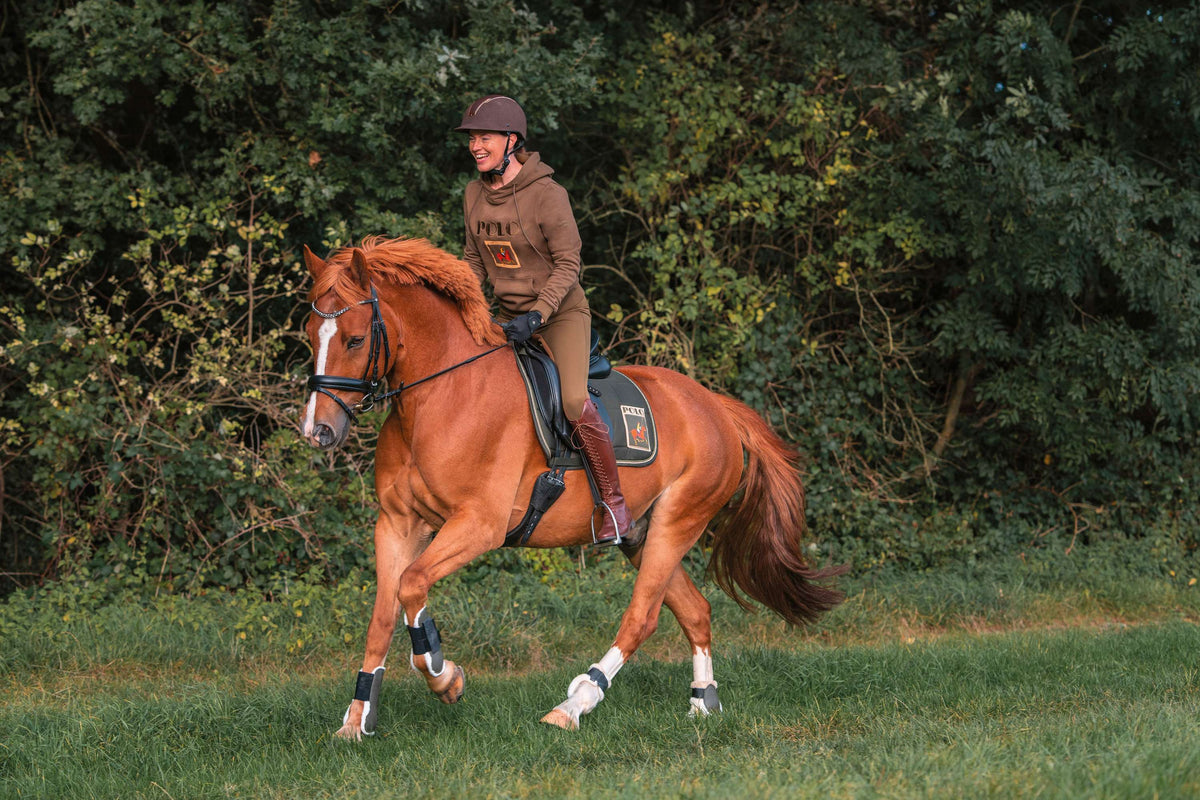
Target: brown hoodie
<point>522,239</point>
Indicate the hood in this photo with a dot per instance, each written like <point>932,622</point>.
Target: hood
<point>532,169</point>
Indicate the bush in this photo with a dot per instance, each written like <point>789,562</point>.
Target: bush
<point>943,252</point>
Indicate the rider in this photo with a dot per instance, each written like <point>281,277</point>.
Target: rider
<point>521,237</point>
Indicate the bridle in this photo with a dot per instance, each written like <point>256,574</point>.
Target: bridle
<point>371,381</point>
<point>370,384</point>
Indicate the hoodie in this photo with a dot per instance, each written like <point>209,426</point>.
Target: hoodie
<point>522,238</point>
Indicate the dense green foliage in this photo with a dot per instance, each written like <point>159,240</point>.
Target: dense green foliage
<point>950,249</point>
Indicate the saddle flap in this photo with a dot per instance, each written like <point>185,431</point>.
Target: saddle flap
<point>545,390</point>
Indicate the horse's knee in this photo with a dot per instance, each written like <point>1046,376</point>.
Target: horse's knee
<point>414,588</point>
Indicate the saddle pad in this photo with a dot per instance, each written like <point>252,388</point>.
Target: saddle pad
<point>621,405</point>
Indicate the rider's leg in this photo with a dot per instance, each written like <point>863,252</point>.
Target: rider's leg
<point>568,338</point>
<point>591,437</point>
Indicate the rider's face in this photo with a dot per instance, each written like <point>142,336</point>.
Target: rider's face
<point>487,148</point>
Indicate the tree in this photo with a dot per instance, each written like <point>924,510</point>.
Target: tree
<point>163,164</point>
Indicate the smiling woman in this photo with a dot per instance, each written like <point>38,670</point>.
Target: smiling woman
<point>491,152</point>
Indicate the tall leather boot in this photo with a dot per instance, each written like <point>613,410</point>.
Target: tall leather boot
<point>591,437</point>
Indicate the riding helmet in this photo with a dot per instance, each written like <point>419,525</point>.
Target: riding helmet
<point>494,112</point>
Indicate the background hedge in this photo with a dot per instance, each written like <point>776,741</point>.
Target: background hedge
<point>950,249</point>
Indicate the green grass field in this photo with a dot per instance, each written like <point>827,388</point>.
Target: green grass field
<point>1003,683</point>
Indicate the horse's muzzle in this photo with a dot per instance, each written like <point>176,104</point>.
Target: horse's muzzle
<point>324,436</point>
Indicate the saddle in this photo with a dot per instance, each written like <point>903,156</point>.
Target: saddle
<point>616,397</point>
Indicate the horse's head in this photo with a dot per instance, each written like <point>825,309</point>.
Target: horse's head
<point>355,333</point>
<point>349,338</point>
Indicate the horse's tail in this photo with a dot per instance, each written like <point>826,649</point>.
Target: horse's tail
<point>756,544</point>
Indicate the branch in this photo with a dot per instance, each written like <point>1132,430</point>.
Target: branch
<point>943,441</point>
<point>1071,24</point>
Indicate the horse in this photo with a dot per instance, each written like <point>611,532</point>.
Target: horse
<point>457,458</point>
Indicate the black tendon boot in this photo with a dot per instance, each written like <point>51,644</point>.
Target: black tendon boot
<point>591,437</point>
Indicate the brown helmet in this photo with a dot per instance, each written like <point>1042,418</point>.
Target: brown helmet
<point>494,113</point>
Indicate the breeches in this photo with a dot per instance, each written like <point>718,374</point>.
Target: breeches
<point>568,337</point>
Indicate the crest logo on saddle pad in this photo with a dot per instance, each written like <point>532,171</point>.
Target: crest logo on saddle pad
<point>503,254</point>
<point>636,434</point>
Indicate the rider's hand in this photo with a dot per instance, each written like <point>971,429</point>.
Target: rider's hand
<point>521,328</point>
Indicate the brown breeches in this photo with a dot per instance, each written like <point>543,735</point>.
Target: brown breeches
<point>568,337</point>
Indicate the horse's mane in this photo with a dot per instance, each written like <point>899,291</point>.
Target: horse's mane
<point>407,262</point>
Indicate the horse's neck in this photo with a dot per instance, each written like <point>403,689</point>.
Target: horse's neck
<point>462,405</point>
<point>433,336</point>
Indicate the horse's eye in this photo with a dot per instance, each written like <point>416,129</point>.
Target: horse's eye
<point>355,342</point>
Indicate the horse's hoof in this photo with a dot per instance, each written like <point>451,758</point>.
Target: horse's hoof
<point>701,711</point>
<point>704,700</point>
<point>562,719</point>
<point>451,691</point>
<point>349,732</point>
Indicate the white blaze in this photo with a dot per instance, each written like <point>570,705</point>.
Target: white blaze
<point>324,337</point>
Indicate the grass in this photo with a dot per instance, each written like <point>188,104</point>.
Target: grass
<point>1001,682</point>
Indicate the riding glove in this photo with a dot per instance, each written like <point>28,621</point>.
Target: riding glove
<point>521,328</point>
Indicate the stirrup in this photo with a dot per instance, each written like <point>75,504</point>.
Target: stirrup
<point>618,539</point>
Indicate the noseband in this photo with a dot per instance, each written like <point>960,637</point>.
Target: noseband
<point>372,380</point>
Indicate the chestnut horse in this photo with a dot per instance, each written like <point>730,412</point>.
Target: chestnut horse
<point>457,458</point>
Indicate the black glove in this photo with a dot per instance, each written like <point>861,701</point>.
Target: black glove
<point>521,328</point>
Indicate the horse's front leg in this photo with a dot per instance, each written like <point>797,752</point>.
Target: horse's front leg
<point>463,538</point>
<point>397,544</point>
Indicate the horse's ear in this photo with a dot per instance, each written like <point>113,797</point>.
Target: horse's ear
<point>358,261</point>
<point>315,265</point>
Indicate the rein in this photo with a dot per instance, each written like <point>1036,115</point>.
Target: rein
<point>371,381</point>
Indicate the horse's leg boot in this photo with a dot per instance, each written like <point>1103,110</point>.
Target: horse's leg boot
<point>591,437</point>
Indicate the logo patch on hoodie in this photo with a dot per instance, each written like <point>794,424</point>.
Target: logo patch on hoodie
<point>503,254</point>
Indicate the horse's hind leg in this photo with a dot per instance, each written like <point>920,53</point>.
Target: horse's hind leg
<point>657,563</point>
<point>695,617</point>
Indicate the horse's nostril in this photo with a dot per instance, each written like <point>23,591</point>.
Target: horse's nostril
<point>323,434</point>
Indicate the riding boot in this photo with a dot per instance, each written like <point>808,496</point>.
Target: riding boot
<point>591,437</point>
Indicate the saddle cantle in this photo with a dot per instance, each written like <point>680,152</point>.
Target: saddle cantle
<point>635,440</point>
